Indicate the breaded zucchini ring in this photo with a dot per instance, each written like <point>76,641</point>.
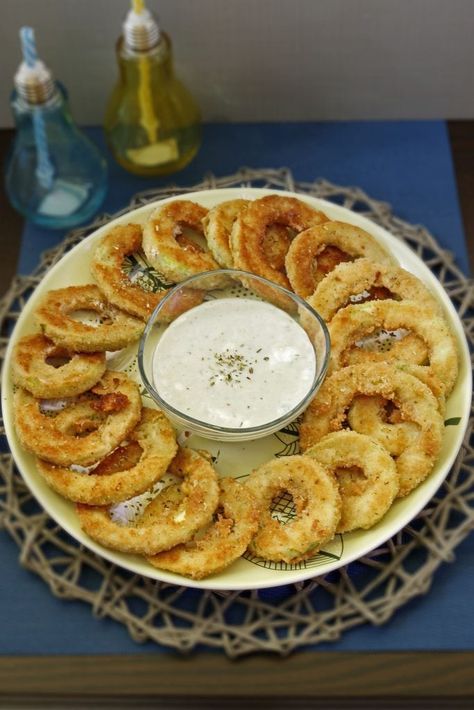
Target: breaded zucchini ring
<point>55,317</point>
<point>377,417</point>
<point>317,251</point>
<point>218,225</point>
<point>85,431</point>
<point>35,367</point>
<point>328,412</point>
<point>226,539</point>
<point>366,475</point>
<point>317,502</point>
<point>355,282</point>
<point>129,470</point>
<point>170,251</point>
<point>251,231</point>
<point>150,534</point>
<point>353,323</point>
<point>107,269</point>
<point>428,377</point>
<point>391,348</point>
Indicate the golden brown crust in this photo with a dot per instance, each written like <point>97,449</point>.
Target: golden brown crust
<point>107,269</point>
<point>32,371</point>
<point>166,247</point>
<point>352,242</point>
<point>353,323</point>
<point>250,229</point>
<point>117,478</point>
<point>367,492</point>
<point>150,535</point>
<point>377,417</point>
<point>218,224</point>
<point>222,542</point>
<point>115,331</point>
<point>328,412</point>
<point>78,434</point>
<point>382,347</point>
<point>380,281</point>
<point>317,503</point>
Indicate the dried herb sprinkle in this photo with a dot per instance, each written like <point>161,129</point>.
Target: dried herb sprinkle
<point>231,366</point>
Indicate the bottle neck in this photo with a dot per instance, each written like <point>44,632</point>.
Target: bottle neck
<point>54,111</point>
<point>159,57</point>
<point>34,82</point>
<point>140,30</point>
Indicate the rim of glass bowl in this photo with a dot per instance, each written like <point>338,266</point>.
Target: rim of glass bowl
<point>274,423</point>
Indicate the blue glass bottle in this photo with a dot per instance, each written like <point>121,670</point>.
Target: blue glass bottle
<point>55,176</point>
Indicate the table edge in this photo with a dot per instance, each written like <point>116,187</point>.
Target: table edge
<point>303,675</point>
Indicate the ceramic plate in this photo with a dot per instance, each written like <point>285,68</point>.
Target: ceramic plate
<point>239,459</point>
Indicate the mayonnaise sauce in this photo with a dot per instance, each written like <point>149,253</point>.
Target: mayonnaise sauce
<point>234,362</point>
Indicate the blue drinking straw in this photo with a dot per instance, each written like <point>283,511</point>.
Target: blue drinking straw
<point>44,168</point>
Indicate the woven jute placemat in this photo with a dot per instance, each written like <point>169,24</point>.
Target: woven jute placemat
<point>278,620</point>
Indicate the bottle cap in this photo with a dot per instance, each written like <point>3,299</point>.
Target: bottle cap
<point>140,29</point>
<point>33,80</point>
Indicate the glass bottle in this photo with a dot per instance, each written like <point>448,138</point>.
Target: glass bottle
<point>152,124</point>
<point>55,176</point>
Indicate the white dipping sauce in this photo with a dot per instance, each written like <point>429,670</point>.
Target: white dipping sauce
<point>234,362</point>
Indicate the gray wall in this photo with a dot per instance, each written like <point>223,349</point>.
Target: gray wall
<point>267,59</point>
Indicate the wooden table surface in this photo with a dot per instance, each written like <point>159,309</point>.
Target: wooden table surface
<point>323,680</point>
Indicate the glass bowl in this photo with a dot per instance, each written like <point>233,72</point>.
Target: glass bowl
<point>231,356</point>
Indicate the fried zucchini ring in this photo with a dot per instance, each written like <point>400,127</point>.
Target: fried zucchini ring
<point>385,347</point>
<point>86,430</point>
<point>107,269</point>
<point>218,225</point>
<point>170,251</point>
<point>317,251</point>
<point>328,412</point>
<point>377,417</point>
<point>317,502</point>
<point>358,281</point>
<point>115,331</point>
<point>149,534</point>
<point>254,247</point>
<point>353,323</point>
<point>216,547</point>
<point>366,475</point>
<point>51,372</point>
<point>129,470</point>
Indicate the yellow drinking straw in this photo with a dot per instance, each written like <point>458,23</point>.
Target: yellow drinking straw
<point>148,117</point>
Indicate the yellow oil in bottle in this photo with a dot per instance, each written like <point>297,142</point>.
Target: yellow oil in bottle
<point>152,123</point>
